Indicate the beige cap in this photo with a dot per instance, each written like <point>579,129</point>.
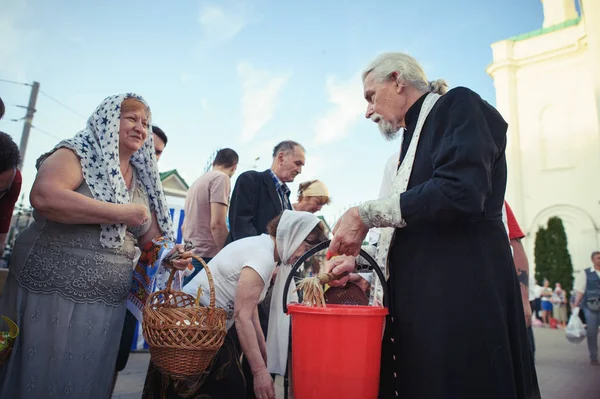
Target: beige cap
<point>317,189</point>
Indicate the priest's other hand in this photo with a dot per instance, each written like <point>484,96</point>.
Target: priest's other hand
<point>340,265</point>
<point>348,234</point>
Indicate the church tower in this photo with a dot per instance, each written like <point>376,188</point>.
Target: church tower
<point>557,11</point>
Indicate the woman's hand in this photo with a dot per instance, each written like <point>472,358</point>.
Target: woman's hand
<point>264,388</point>
<point>180,259</point>
<point>339,265</point>
<point>133,214</point>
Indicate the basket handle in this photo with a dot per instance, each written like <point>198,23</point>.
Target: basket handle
<point>211,284</point>
<point>319,247</point>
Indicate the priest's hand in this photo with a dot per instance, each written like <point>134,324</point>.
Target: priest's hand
<point>348,234</point>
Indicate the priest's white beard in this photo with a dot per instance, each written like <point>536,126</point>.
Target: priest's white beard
<point>386,128</point>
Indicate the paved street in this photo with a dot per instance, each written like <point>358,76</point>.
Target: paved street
<point>563,370</point>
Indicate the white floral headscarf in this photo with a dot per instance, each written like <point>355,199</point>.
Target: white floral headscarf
<point>97,146</point>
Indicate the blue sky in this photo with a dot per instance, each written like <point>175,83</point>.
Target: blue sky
<point>243,74</point>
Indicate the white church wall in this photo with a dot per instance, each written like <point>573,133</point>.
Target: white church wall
<point>544,87</point>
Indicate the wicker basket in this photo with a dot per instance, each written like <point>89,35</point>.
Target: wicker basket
<point>183,336</point>
<point>7,339</point>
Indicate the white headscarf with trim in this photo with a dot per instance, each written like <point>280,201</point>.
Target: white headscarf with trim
<point>293,229</point>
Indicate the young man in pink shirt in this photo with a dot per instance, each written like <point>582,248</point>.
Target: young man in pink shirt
<point>206,206</point>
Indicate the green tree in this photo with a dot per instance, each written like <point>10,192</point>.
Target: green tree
<point>541,251</point>
<point>552,258</point>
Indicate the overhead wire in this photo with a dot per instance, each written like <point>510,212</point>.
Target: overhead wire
<point>15,82</point>
<point>62,104</point>
<point>46,133</point>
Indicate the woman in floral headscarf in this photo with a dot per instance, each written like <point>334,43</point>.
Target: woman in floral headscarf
<point>96,196</point>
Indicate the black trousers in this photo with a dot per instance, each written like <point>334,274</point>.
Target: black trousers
<point>536,306</point>
<point>531,342</point>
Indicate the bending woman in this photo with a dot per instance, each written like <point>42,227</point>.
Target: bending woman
<point>96,196</point>
<point>241,273</point>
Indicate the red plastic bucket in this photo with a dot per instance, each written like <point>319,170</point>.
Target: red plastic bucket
<point>336,351</point>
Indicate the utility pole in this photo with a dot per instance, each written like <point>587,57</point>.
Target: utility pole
<point>35,88</point>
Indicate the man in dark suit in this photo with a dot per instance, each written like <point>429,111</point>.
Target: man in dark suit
<point>257,198</point>
<point>260,196</point>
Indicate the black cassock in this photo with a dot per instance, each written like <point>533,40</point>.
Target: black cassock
<point>458,328</point>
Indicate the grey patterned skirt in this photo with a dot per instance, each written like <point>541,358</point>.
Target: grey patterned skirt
<point>65,349</point>
<point>67,295</point>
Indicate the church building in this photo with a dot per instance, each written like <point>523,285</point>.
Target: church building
<point>548,89</point>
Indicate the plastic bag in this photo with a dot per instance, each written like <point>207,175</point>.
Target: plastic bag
<point>575,331</point>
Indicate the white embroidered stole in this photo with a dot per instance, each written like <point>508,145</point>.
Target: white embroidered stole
<point>386,237</point>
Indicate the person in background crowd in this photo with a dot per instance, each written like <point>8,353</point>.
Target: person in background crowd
<point>312,196</point>
<point>446,213</point>
<point>587,295</point>
<point>515,235</point>
<point>206,207</point>
<point>559,305</point>
<point>573,297</point>
<point>10,183</point>
<point>537,302</point>
<point>128,334</point>
<point>160,141</point>
<point>257,198</point>
<point>260,196</point>
<point>96,197</point>
<point>546,295</point>
<point>2,108</point>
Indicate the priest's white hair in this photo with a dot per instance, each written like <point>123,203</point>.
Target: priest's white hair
<point>408,69</point>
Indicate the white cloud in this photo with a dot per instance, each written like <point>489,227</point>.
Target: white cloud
<point>220,24</point>
<point>204,103</point>
<point>348,105</point>
<point>260,91</point>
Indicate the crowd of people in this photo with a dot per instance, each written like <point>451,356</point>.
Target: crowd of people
<point>79,274</point>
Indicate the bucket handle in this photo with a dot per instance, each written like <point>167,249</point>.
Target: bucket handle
<point>319,247</point>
